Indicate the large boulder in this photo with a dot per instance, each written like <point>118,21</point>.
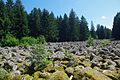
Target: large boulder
<point>59,75</point>
<point>95,75</point>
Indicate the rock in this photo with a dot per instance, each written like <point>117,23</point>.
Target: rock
<point>116,51</point>
<point>78,73</point>
<point>58,56</point>
<point>69,70</point>
<point>95,75</point>
<point>87,63</point>
<point>36,75</point>
<point>59,75</point>
<point>28,77</point>
<point>14,68</point>
<point>16,73</point>
<point>111,74</point>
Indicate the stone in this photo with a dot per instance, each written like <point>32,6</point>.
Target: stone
<point>111,74</point>
<point>69,70</point>
<point>58,56</point>
<point>95,75</point>
<point>59,75</point>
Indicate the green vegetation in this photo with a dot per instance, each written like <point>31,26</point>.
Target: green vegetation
<point>40,57</point>
<point>104,42</point>
<point>9,40</point>
<point>4,75</point>
<point>16,21</point>
<point>27,41</point>
<point>90,41</point>
<point>116,27</point>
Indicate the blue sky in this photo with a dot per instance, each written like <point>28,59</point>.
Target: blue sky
<point>99,11</point>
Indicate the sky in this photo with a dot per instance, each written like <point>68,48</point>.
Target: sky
<point>99,11</point>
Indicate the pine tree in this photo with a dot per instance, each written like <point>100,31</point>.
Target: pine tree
<point>65,29</point>
<point>108,33</point>
<point>116,27</point>
<point>21,22</point>
<point>84,30</point>
<point>98,31</point>
<point>9,7</point>
<point>92,30</point>
<point>59,24</point>
<point>35,22</point>
<point>4,20</point>
<point>45,23</point>
<point>52,30</point>
<point>73,27</point>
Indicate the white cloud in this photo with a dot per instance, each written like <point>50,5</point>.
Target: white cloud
<point>103,17</point>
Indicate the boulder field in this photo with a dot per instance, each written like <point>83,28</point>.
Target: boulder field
<point>69,61</point>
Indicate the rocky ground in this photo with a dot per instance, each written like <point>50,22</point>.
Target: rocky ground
<point>70,61</point>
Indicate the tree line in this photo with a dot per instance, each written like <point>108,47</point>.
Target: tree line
<point>16,21</point>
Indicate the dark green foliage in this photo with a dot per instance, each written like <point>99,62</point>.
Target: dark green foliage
<point>45,23</point>
<point>116,27</point>
<point>9,40</point>
<point>108,33</point>
<point>92,30</point>
<point>14,20</point>
<point>52,30</point>
<point>64,29</point>
<point>20,19</point>
<point>103,32</point>
<point>27,41</point>
<point>73,28</point>
<point>4,20</point>
<point>35,22</point>
<point>84,31</point>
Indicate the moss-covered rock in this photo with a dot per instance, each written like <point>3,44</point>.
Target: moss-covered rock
<point>87,63</point>
<point>45,75</point>
<point>20,77</point>
<point>111,74</point>
<point>36,75</point>
<point>95,75</point>
<point>69,70</point>
<point>78,72</point>
<point>59,75</point>
<point>28,77</point>
<point>49,68</point>
<point>54,67</point>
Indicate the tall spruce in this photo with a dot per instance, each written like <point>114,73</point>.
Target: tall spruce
<point>9,7</point>
<point>65,29</point>
<point>52,29</point>
<point>4,20</point>
<point>73,27</point>
<point>35,22</point>
<point>98,31</point>
<point>84,30</point>
<point>59,24</point>
<point>116,27</point>
<point>92,30</point>
<point>20,18</point>
<point>108,33</point>
<point>45,23</point>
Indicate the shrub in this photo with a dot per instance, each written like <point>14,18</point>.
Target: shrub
<point>40,56</point>
<point>9,40</point>
<point>90,41</point>
<point>4,75</point>
<point>41,40</point>
<point>104,42</point>
<point>27,41</point>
